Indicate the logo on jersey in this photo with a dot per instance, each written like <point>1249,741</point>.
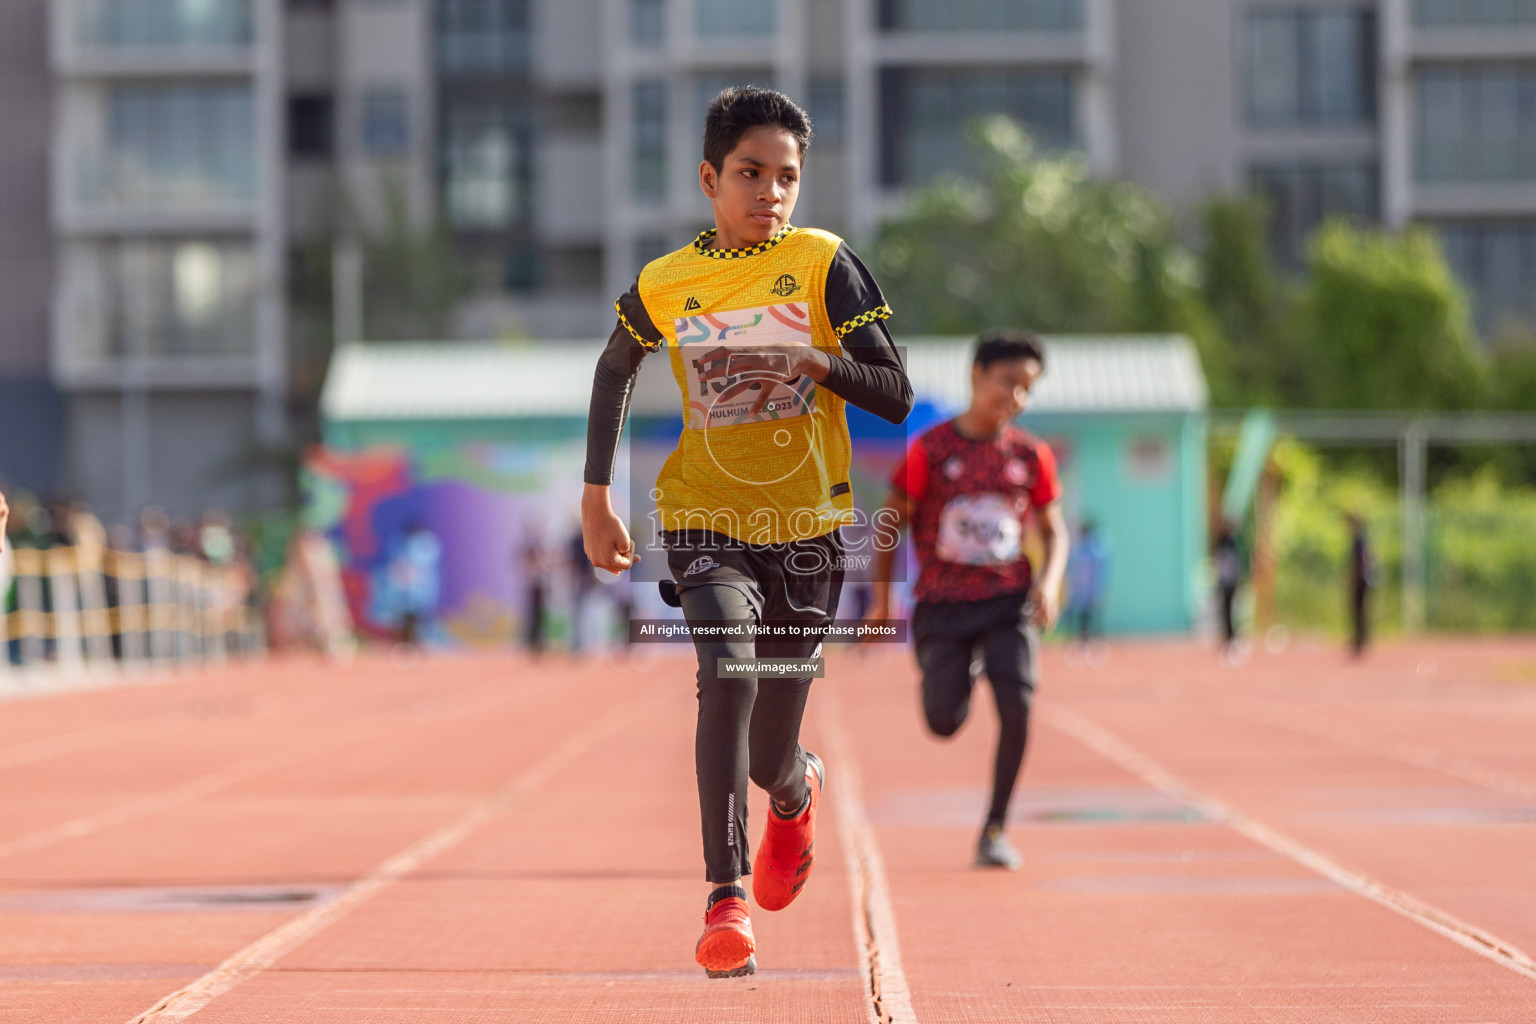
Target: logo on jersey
<point>691,304</point>
<point>953,467</point>
<point>1016,472</point>
<point>785,285</point>
<point>703,563</point>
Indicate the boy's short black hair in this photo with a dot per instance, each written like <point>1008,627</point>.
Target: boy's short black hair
<point>740,108</point>
<point>1003,345</point>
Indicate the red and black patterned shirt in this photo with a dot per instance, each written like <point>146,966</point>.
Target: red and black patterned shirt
<point>970,499</point>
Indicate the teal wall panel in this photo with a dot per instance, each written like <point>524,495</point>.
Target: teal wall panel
<point>1141,478</point>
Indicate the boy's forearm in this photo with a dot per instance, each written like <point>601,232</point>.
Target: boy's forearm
<point>1055,570</point>
<point>880,583</point>
<point>884,391</point>
<point>870,375</point>
<point>892,516</point>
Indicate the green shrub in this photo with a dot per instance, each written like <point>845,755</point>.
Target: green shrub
<point>1480,542</point>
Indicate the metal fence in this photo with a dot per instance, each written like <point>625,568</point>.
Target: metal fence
<point>87,607</point>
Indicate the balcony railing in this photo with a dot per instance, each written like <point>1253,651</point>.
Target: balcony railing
<point>172,150</point>
<point>161,24</point>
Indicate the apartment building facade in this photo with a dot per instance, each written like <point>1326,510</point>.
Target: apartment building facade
<point>167,325</point>
<point>208,157</point>
<point>1396,111</point>
<point>31,408</point>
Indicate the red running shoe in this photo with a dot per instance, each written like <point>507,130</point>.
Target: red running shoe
<point>788,849</point>
<point>726,947</point>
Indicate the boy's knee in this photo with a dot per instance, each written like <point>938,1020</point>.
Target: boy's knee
<point>944,721</point>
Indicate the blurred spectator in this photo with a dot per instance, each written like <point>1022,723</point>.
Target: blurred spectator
<point>416,572</point>
<point>535,572</point>
<point>154,528</point>
<point>84,528</point>
<point>1229,576</point>
<point>583,582</point>
<point>5,578</point>
<point>215,539</point>
<point>1362,577</point>
<point>184,538</point>
<point>1088,569</point>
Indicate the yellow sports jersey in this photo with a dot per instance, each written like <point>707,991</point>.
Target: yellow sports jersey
<point>761,459</point>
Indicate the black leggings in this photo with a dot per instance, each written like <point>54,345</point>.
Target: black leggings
<point>746,729</point>
<point>948,637</point>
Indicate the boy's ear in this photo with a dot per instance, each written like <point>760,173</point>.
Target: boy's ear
<point>708,178</point>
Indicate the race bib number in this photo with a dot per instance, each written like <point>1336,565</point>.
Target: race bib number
<point>979,529</point>
<point>737,368</point>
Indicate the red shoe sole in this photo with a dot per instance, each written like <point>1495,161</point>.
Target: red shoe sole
<point>725,950</point>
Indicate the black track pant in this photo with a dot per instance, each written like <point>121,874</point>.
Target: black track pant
<point>750,728</point>
<point>948,637</point>
<point>1360,618</point>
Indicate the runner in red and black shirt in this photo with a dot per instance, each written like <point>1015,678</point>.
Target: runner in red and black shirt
<point>966,488</point>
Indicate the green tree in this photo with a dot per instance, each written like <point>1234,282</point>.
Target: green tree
<point>1387,323</point>
<point>412,277</point>
<point>1256,309</point>
<point>1038,242</point>
<point>1513,366</point>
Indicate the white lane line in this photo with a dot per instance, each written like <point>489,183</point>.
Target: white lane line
<point>223,778</point>
<point>273,946</point>
<point>92,738</point>
<point>188,791</point>
<point>1464,934</point>
<point>1416,754</point>
<point>874,919</point>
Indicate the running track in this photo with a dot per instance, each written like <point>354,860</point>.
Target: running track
<point>487,839</point>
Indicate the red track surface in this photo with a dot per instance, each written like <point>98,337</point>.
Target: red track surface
<point>479,839</point>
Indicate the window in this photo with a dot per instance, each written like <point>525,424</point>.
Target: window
<point>1308,68</point>
<point>981,15</point>
<point>523,266</point>
<point>713,18</point>
<point>179,144</point>
<point>1148,460</point>
<point>167,22</point>
<point>924,115</point>
<point>826,109</point>
<point>486,167</point>
<point>482,36</point>
<point>647,20</point>
<point>384,123</point>
<point>182,297</point>
<point>1476,124</point>
<point>311,126</point>
<point>1301,196</point>
<point>650,139</point>
<point>1496,260</point>
<point>1474,12</point>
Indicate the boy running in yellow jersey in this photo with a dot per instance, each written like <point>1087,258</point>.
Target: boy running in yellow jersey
<point>769,330</point>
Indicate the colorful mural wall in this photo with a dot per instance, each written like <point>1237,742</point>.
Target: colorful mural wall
<point>504,515</point>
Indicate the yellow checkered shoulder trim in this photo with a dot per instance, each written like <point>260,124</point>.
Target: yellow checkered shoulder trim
<point>653,345</point>
<point>878,313</point>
